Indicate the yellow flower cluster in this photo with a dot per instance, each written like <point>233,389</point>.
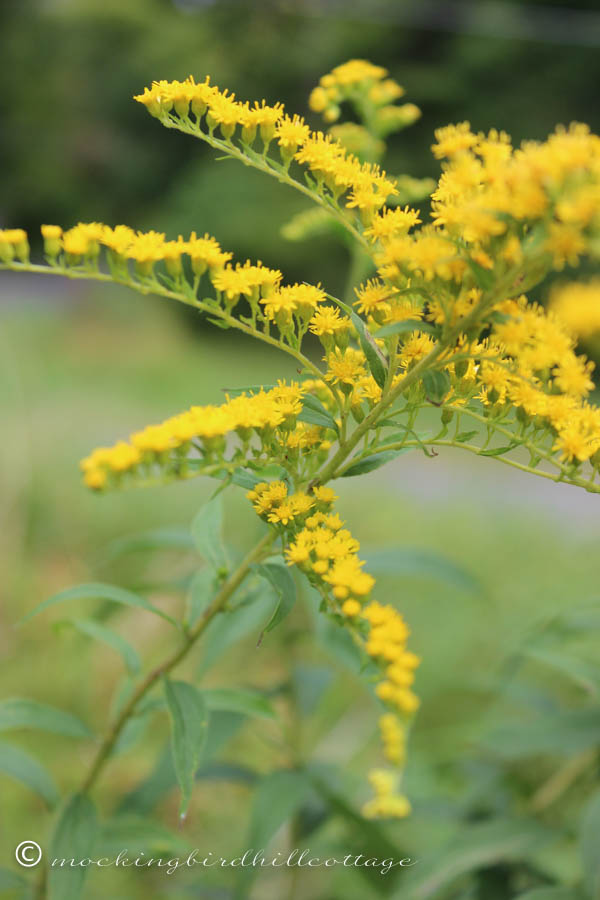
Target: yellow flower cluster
<point>363,83</point>
<point>83,242</point>
<point>328,161</point>
<point>547,379</point>
<point>577,304</point>
<point>266,414</point>
<point>387,643</point>
<point>489,191</point>
<point>387,802</point>
<point>300,300</point>
<point>327,553</point>
<point>13,245</point>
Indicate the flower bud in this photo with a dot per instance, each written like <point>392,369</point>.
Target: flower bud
<point>52,235</point>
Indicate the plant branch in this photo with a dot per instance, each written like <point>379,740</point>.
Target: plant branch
<point>268,166</point>
<point>230,585</point>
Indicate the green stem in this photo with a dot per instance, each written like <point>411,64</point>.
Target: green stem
<point>229,586</point>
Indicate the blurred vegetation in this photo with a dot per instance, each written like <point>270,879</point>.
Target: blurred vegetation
<point>503,771</point>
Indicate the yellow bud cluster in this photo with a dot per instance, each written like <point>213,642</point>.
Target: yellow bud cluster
<point>298,300</point>
<point>393,737</point>
<point>273,503</point>
<point>265,414</point>
<point>326,158</point>
<point>387,643</point>
<point>388,802</point>
<point>320,546</point>
<point>13,245</point>
<point>365,85</point>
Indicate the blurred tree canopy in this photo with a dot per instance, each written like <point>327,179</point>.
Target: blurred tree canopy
<point>75,146</point>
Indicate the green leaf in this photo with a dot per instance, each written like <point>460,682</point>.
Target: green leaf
<point>477,846</point>
<point>169,538</point>
<point>437,385</point>
<point>20,765</point>
<point>237,623</point>
<point>420,563</point>
<point>565,732</point>
<point>240,477</point>
<point>464,436</point>
<point>376,360</point>
<point>11,881</point>
<point>314,417</point>
<point>201,592</point>
<point>249,703</point>
<point>315,413</point>
<point>404,326</point>
<point>98,591</point>
<point>370,463</point>
<point>281,580</point>
<point>588,843</point>
<point>73,839</point>
<point>583,673</point>
<point>278,796</point>
<point>498,451</point>
<point>18,713</point>
<point>189,721</point>
<point>310,683</point>
<point>100,633</point>
<point>207,529</point>
<point>143,799</point>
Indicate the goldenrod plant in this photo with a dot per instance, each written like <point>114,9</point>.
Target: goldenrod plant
<point>436,325</point>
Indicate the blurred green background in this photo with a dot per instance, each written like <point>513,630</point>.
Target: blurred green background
<point>483,561</point>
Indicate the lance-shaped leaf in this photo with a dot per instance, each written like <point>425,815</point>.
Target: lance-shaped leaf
<point>280,578</point>
<point>201,592</point>
<point>314,413</point>
<point>437,385</point>
<point>249,703</point>
<point>11,881</point>
<point>370,463</point>
<point>207,530</point>
<point>18,764</point>
<point>74,839</point>
<point>406,325</point>
<point>99,591</point>
<point>189,723</point>
<point>18,713</point>
<point>168,538</point>
<point>375,358</point>
<point>101,633</point>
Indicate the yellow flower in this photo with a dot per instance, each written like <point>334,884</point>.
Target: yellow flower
<point>328,320</point>
<point>453,139</point>
<point>344,367</point>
